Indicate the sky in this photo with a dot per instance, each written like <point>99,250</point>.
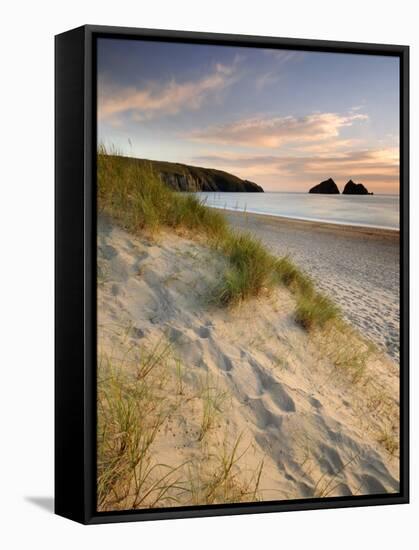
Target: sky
<point>284,119</point>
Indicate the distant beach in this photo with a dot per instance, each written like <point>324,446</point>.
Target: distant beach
<point>358,267</point>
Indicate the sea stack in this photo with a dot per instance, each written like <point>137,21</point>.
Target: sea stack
<point>352,188</point>
<point>327,187</point>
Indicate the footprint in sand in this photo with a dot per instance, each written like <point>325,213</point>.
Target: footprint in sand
<point>115,289</point>
<point>264,417</point>
<point>226,363</point>
<point>330,459</point>
<point>203,332</point>
<point>315,403</point>
<point>372,485</point>
<point>176,336</point>
<point>275,389</point>
<point>108,251</point>
<point>137,332</point>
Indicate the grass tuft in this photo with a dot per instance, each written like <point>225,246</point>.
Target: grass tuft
<point>292,277</point>
<point>129,418</point>
<point>213,399</point>
<point>347,350</point>
<point>252,269</point>
<point>314,310</point>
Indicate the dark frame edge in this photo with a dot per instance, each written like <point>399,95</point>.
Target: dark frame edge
<point>234,510</point>
<point>70,398</point>
<point>247,40</point>
<point>405,268</point>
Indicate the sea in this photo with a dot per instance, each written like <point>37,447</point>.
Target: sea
<point>380,211</point>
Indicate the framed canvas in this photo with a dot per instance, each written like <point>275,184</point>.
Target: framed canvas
<point>231,274</point>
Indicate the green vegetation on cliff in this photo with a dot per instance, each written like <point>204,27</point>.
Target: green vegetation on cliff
<point>182,177</point>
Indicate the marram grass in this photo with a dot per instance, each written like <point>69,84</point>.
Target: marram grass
<point>133,407</point>
<point>135,197</point>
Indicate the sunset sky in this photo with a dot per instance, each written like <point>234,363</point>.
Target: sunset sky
<point>284,119</point>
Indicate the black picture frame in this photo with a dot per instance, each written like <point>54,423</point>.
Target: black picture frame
<point>75,273</point>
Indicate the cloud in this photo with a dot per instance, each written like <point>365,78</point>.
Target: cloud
<point>284,56</point>
<point>377,168</point>
<point>276,131</point>
<point>273,76</point>
<point>364,159</point>
<point>267,79</point>
<point>157,99</point>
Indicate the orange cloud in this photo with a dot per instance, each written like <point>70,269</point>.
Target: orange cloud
<point>376,168</point>
<point>157,99</point>
<point>277,131</point>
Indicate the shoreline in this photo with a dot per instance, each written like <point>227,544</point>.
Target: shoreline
<point>365,230</point>
<point>357,267</point>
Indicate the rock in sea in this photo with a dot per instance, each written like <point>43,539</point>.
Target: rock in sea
<point>327,187</point>
<point>352,188</point>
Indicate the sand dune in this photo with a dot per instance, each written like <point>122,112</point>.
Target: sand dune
<point>301,423</point>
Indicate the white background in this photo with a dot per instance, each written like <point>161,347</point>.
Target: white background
<point>26,272</point>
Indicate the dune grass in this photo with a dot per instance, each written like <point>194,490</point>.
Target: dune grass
<point>134,196</point>
<point>252,269</point>
<point>221,482</point>
<point>346,349</point>
<point>213,400</point>
<point>389,440</point>
<point>134,407</point>
<point>314,309</point>
<point>128,422</point>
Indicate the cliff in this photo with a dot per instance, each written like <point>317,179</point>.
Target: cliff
<point>183,177</point>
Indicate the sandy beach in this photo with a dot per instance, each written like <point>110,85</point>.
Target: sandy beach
<point>357,267</point>
<point>290,414</point>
